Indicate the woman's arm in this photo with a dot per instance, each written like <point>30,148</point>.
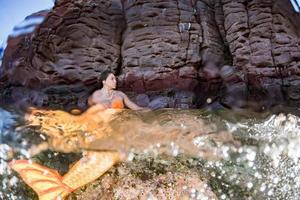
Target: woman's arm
<point>90,101</point>
<point>94,98</point>
<point>131,104</point>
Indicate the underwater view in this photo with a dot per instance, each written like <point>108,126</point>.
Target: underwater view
<point>150,100</point>
<point>186,154</point>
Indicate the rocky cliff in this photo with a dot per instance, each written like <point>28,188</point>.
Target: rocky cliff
<point>167,53</point>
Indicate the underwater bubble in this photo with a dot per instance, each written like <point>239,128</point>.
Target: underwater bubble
<point>13,181</point>
<point>150,196</point>
<point>251,155</point>
<point>270,192</point>
<point>208,100</point>
<point>130,156</point>
<point>249,185</point>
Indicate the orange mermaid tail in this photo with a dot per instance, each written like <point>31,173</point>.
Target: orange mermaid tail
<point>49,185</point>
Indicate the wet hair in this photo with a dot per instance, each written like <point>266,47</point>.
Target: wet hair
<point>103,76</point>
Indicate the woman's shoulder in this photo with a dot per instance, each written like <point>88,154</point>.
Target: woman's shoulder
<point>97,93</point>
<point>120,93</point>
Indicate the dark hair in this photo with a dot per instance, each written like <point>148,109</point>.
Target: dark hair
<point>103,75</point>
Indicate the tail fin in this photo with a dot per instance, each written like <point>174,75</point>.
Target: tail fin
<point>47,183</point>
<point>89,168</point>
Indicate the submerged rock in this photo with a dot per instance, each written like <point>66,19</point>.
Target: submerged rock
<point>150,178</point>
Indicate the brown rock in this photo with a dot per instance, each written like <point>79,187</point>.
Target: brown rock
<point>136,181</point>
<point>157,47</point>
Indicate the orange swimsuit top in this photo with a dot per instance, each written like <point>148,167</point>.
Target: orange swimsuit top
<point>117,104</point>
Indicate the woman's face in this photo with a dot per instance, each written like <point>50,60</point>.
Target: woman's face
<point>110,82</point>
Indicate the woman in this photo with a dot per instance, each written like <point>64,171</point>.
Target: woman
<point>47,183</point>
<point>108,97</point>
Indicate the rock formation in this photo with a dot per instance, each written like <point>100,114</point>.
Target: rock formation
<point>167,53</point>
